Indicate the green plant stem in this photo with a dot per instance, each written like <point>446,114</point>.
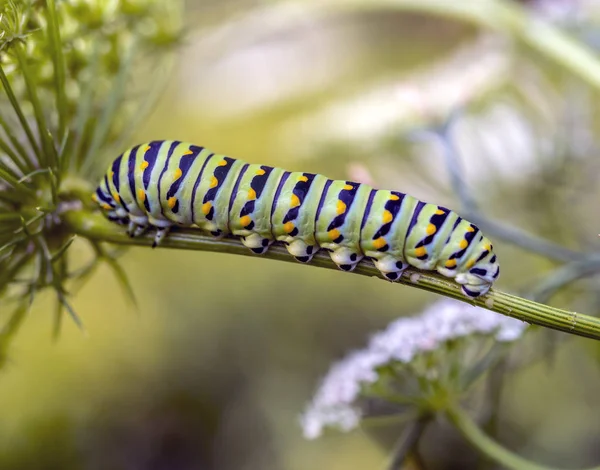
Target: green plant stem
<point>94,226</point>
<point>488,447</point>
<point>408,441</point>
<point>504,16</point>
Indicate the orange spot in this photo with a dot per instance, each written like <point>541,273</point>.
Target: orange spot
<point>213,182</point>
<point>171,202</point>
<point>294,201</point>
<point>111,174</point>
<point>450,263</point>
<point>341,207</point>
<point>177,174</point>
<point>470,229</point>
<point>187,152</point>
<point>387,217</point>
<point>147,148</point>
<point>440,212</point>
<point>106,206</point>
<point>303,179</point>
<point>206,207</point>
<point>260,172</point>
<point>421,251</point>
<point>116,197</point>
<point>95,197</point>
<point>222,163</point>
<point>379,243</point>
<point>431,229</point>
<point>487,247</point>
<point>288,227</point>
<point>144,165</point>
<point>244,221</point>
<point>470,263</point>
<point>251,194</point>
<point>334,234</point>
<point>463,244</point>
<point>141,195</point>
<point>348,187</point>
<point>393,197</point>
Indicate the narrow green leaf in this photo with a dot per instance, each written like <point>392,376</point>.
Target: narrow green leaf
<point>47,155</point>
<point>63,249</point>
<point>24,124</point>
<point>20,153</point>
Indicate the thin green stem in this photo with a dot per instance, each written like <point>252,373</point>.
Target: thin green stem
<point>94,226</point>
<point>488,447</point>
<point>59,67</point>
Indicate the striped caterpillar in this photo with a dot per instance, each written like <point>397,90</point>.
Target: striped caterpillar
<point>165,183</point>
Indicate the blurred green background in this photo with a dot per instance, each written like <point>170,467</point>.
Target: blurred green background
<point>214,369</point>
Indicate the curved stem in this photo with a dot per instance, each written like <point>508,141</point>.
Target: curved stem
<point>487,446</point>
<point>94,226</point>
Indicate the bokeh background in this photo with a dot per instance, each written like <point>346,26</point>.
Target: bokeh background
<point>214,367</point>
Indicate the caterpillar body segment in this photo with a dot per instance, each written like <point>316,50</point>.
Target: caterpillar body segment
<point>164,183</point>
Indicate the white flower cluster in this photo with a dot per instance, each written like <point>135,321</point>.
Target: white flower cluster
<point>334,404</point>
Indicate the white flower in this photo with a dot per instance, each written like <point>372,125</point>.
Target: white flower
<point>334,404</point>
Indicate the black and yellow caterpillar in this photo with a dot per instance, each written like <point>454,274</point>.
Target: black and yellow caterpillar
<point>165,183</point>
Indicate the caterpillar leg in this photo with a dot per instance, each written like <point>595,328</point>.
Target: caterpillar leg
<point>345,258</point>
<point>391,268</point>
<point>256,243</point>
<point>161,233</point>
<point>472,285</point>
<point>301,251</point>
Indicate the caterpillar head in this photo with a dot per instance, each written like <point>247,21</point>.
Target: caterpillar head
<point>109,204</point>
<point>480,272</point>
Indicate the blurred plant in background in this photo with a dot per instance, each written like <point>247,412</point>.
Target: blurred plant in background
<point>370,87</point>
<point>72,75</point>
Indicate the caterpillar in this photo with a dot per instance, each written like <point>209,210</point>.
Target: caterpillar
<point>165,183</point>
